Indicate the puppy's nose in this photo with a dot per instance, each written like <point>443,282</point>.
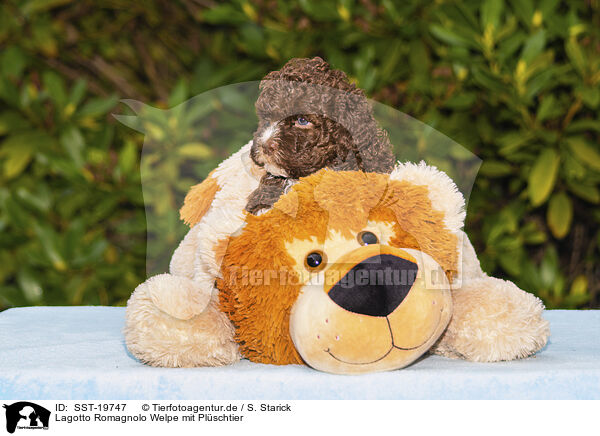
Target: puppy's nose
<point>376,286</point>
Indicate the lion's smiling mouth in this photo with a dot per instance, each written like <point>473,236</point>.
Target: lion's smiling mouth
<point>393,346</point>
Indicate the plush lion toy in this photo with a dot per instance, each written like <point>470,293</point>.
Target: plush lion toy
<point>349,272</point>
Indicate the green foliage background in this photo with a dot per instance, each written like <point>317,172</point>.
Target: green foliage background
<point>517,82</point>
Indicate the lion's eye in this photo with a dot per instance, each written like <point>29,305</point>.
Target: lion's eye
<point>315,261</point>
<point>302,122</point>
<point>367,238</point>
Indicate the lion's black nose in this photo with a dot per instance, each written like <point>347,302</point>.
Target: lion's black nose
<point>376,286</point>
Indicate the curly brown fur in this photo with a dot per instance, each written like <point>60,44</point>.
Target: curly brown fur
<point>311,117</point>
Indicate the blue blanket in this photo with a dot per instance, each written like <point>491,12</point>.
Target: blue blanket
<point>79,353</point>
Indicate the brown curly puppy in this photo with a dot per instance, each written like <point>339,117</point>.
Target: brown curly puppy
<point>312,117</point>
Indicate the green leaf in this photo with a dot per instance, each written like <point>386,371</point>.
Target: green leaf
<point>543,176</point>
<point>77,92</point>
<point>49,242</point>
<point>584,125</point>
<point>179,93</point>
<point>18,151</point>
<point>40,198</point>
<point>508,47</point>
<point>523,9</point>
<point>55,87</point>
<point>73,142</point>
<point>18,216</point>
<point>576,55</point>
<point>34,6</point>
<point>549,269</point>
<point>98,106</point>
<point>463,100</point>
<point>540,83</point>
<point>392,10</point>
<point>560,215</point>
<point>450,37</point>
<point>128,157</point>
<point>579,285</point>
<point>32,290</point>
<point>319,10</point>
<point>494,168</point>
<point>196,150</point>
<point>488,80</point>
<point>73,236</point>
<point>224,14</point>
<point>546,108</point>
<point>253,39</point>
<point>511,261</point>
<point>9,93</point>
<point>512,141</point>
<point>591,96</point>
<point>584,152</point>
<point>132,121</point>
<point>533,46</point>
<point>547,7</point>
<point>587,192</point>
<point>532,234</point>
<point>11,121</point>
<point>12,62</point>
<point>92,254</point>
<point>491,10</point>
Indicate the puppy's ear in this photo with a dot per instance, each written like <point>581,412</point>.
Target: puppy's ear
<point>369,144</point>
<point>198,200</point>
<point>443,192</point>
<point>377,155</point>
<point>220,248</point>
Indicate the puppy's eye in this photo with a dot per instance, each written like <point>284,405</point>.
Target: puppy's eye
<point>302,122</point>
<point>315,261</point>
<point>367,238</point>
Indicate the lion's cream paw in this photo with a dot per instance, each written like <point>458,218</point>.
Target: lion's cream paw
<point>159,339</point>
<point>494,320</point>
<point>177,296</point>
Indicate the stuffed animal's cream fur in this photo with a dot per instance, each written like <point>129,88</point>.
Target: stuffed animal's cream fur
<point>175,319</point>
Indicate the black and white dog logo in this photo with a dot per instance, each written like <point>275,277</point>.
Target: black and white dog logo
<point>26,415</point>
